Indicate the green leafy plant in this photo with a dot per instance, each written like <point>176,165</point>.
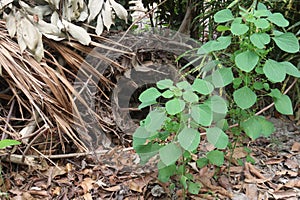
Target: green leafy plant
<point>171,130</point>
<point>240,64</point>
<point>247,43</point>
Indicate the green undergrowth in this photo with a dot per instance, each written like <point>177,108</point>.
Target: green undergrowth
<point>239,63</point>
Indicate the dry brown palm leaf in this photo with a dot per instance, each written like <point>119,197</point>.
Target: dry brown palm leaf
<point>40,91</point>
<point>46,92</point>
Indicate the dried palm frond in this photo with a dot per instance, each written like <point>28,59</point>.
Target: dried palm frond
<point>45,91</point>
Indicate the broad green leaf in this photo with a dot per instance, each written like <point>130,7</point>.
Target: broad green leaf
<point>252,127</point>
<point>217,104</point>
<point>244,97</point>
<point>194,188</point>
<point>140,136</point>
<point>262,13</point>
<point>164,84</point>
<point>258,85</point>
<point>147,151</point>
<point>222,42</point>
<point>284,105</point>
<point>261,6</point>
<point>177,91</point>
<point>175,106</point>
<point>287,42</point>
<point>266,86</point>
<point>8,142</point>
<point>291,69</point>
<point>278,19</point>
<point>257,126</point>
<point>141,132</point>
<point>222,28</point>
<point>222,77</point>
<point>190,97</point>
<point>259,69</point>
<point>203,87</point>
<point>151,94</point>
<point>223,16</point>
<point>260,39</point>
<point>222,124</point>
<point>261,23</point>
<point>237,82</point>
<point>238,29</point>
<point>247,60</point>
<point>165,172</point>
<point>184,85</point>
<point>167,94</point>
<point>170,153</point>
<point>209,66</point>
<point>215,157</point>
<point>277,33</point>
<point>237,20</point>
<point>202,114</point>
<point>207,47</point>
<point>217,137</point>
<point>201,162</point>
<point>249,17</point>
<point>274,71</point>
<point>189,139</point>
<point>267,128</point>
<point>275,93</point>
<point>154,120</point>
<point>215,45</point>
<point>183,181</point>
<point>146,104</point>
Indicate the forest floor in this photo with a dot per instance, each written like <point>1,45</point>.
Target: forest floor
<point>272,174</point>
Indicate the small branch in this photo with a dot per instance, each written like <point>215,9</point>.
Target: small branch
<point>4,136</point>
<point>272,104</point>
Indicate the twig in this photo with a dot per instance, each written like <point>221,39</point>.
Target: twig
<point>272,104</point>
<point>33,140</point>
<point>4,136</point>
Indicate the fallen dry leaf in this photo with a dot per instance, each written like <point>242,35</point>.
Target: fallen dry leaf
<point>55,171</point>
<point>296,147</point>
<point>224,182</point>
<point>273,161</point>
<point>87,185</point>
<point>56,191</point>
<point>284,194</point>
<point>113,188</point>
<point>139,183</point>
<point>206,182</point>
<point>255,171</point>
<point>87,196</point>
<point>236,169</point>
<point>291,164</point>
<point>239,153</point>
<point>251,191</point>
<point>39,192</point>
<point>287,172</point>
<point>293,183</point>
